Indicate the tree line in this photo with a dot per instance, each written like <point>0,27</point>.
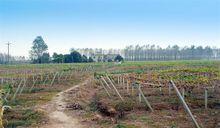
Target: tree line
<point>12,59</point>
<point>147,52</point>
<point>153,52</point>
<point>39,54</point>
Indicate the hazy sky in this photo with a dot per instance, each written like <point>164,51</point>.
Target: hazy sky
<point>108,23</point>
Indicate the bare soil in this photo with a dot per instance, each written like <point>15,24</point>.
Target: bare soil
<point>55,110</point>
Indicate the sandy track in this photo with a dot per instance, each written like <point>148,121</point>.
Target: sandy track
<point>55,111</point>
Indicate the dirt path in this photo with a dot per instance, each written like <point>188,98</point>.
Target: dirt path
<point>55,110</point>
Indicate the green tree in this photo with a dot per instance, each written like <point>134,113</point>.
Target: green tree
<point>90,59</point>
<point>58,58</point>
<point>119,58</point>
<point>38,49</point>
<point>45,58</point>
<point>76,57</point>
<point>84,58</point>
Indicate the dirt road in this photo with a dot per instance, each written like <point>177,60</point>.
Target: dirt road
<point>55,111</point>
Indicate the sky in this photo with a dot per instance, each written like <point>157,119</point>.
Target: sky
<point>66,24</point>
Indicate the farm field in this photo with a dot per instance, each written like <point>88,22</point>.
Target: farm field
<point>127,95</point>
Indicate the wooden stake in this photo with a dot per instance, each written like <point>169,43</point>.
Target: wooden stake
<point>123,82</point>
<point>127,87</point>
<point>2,80</point>
<point>24,84</point>
<point>145,99</point>
<point>34,81</point>
<point>59,76</point>
<point>206,98</point>
<point>53,79</point>
<point>185,105</point>
<point>139,94</point>
<point>118,80</point>
<point>183,93</point>
<point>115,88</point>
<point>15,94</point>
<point>169,90</point>
<point>46,79</point>
<point>105,82</point>
<point>105,88</point>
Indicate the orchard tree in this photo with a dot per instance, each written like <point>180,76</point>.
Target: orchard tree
<point>38,49</point>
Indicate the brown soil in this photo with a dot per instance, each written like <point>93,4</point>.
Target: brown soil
<point>55,110</point>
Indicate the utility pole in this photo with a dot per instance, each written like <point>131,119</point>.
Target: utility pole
<point>8,51</point>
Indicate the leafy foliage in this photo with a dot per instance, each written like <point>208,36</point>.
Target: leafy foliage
<point>38,50</point>
<point>119,58</point>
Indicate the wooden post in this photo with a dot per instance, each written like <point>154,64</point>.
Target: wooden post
<point>183,93</point>
<point>105,88</point>
<point>145,99</point>
<point>115,88</point>
<point>59,76</point>
<point>123,82</point>
<point>41,77</point>
<point>118,80</point>
<point>206,98</point>
<point>169,90</point>
<point>53,79</point>
<point>15,94</point>
<point>46,79</point>
<point>2,80</point>
<point>105,82</point>
<point>185,105</point>
<point>139,94</point>
<point>34,81</point>
<point>24,84</point>
<point>127,87</point>
<point>160,86</point>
